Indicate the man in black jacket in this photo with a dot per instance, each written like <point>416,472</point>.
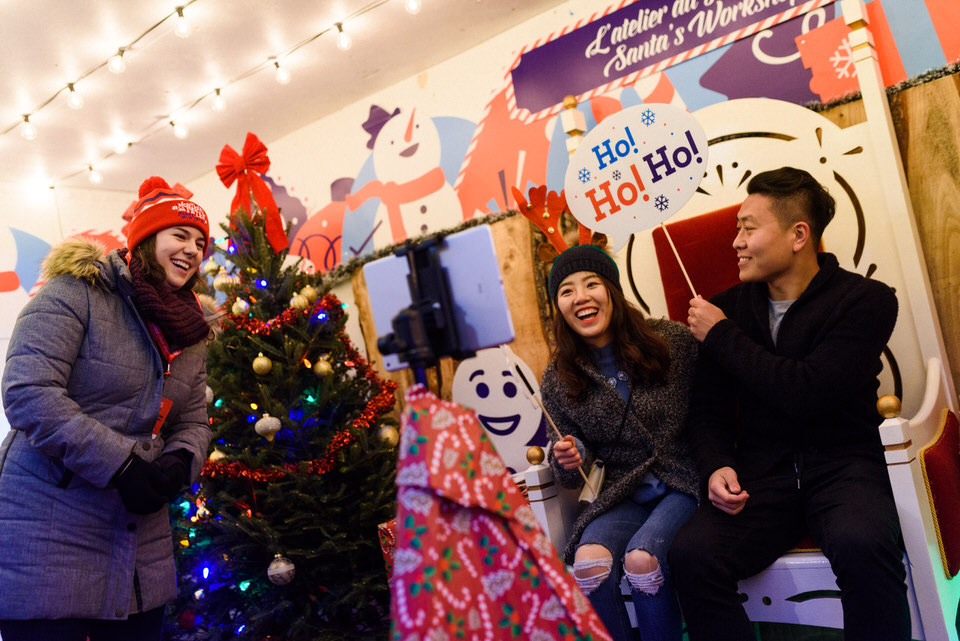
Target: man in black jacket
<point>784,424</point>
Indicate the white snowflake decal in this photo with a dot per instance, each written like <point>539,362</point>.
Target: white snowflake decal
<point>583,175</point>
<point>648,117</point>
<point>661,202</point>
<point>616,175</point>
<point>842,60</point>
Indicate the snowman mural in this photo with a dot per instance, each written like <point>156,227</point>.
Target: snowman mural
<point>414,195</point>
<point>492,388</point>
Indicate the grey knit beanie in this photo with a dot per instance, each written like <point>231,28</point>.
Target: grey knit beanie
<point>582,258</point>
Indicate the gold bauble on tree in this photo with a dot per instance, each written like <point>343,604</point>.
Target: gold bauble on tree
<point>299,301</point>
<point>309,293</point>
<point>389,435</point>
<point>211,267</point>
<point>225,281</point>
<point>262,365</point>
<point>322,367</point>
<point>240,307</point>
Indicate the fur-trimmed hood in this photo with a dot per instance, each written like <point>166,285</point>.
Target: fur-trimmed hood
<point>80,258</point>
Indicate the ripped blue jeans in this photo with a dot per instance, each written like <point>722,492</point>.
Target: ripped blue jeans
<point>647,521</point>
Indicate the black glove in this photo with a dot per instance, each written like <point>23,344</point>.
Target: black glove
<point>141,485</point>
<point>176,468</point>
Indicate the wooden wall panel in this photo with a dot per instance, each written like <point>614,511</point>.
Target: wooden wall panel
<point>927,120</point>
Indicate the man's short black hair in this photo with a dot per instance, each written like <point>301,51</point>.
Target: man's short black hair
<point>800,195</point>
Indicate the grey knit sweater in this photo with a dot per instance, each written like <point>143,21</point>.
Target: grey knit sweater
<point>653,433</point>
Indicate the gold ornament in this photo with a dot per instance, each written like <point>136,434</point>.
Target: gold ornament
<point>225,281</point>
<point>267,426</point>
<point>281,570</point>
<point>889,406</point>
<point>262,365</point>
<point>322,367</point>
<point>216,455</point>
<point>211,267</point>
<point>389,435</point>
<point>240,307</point>
<point>299,301</point>
<point>309,293</point>
<point>535,455</point>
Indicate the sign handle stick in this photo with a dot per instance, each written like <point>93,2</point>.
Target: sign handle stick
<point>679,262</point>
<point>506,354</point>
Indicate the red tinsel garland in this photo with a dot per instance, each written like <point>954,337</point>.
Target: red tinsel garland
<point>381,403</point>
<point>328,303</point>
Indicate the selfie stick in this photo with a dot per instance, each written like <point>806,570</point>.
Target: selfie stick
<point>679,262</point>
<point>530,391</point>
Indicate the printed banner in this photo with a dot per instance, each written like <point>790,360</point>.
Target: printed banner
<point>635,170</point>
<point>644,37</point>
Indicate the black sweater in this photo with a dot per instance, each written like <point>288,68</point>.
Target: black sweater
<point>756,403</point>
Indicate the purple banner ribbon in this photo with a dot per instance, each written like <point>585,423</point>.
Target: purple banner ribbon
<point>628,40</point>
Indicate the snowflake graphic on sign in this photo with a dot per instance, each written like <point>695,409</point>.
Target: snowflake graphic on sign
<point>842,60</point>
<point>642,165</point>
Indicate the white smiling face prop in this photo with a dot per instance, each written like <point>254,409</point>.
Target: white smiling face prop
<point>512,420</point>
<point>635,170</point>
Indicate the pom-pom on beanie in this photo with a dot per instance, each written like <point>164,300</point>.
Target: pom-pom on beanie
<point>160,207</point>
<point>582,258</point>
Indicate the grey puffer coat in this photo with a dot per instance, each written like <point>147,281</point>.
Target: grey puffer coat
<point>648,436</point>
<point>82,388</point>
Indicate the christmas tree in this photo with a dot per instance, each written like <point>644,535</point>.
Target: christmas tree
<point>279,539</point>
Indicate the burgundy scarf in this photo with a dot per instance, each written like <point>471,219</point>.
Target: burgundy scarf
<point>176,312</point>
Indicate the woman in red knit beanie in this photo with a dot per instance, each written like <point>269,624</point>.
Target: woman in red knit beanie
<point>104,388</point>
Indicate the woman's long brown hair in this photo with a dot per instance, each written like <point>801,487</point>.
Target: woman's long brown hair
<point>639,350</point>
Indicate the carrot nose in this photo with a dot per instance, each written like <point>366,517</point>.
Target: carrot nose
<point>408,134</point>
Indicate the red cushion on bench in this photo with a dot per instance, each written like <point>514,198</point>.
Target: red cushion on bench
<point>705,245</point>
<point>940,463</point>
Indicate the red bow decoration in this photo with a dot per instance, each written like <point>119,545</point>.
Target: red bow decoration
<point>251,188</point>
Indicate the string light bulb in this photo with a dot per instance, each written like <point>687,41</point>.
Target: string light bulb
<point>412,6</point>
<point>95,177</point>
<point>120,145</point>
<point>27,130</point>
<point>183,28</point>
<point>283,76</point>
<point>179,130</point>
<point>117,64</point>
<point>74,99</point>
<point>219,104</point>
<point>343,40</point>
